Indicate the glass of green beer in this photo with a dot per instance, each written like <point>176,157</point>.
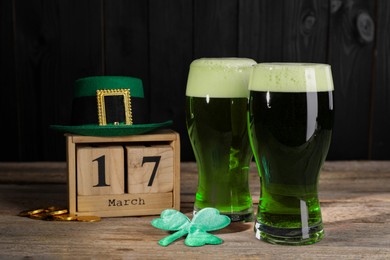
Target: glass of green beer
<point>216,110</point>
<point>290,120</point>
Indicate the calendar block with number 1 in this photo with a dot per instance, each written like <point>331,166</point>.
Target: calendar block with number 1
<point>124,176</point>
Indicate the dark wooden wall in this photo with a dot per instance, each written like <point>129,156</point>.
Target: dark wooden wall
<point>46,45</point>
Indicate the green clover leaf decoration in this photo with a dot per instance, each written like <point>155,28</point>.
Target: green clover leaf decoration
<point>207,219</point>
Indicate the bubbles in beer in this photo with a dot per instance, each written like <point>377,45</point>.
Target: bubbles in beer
<point>219,77</point>
<point>291,77</point>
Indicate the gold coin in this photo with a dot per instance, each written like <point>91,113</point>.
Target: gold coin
<point>41,216</point>
<point>27,213</point>
<point>57,212</point>
<point>88,218</point>
<point>65,217</point>
<point>37,211</point>
<point>53,208</point>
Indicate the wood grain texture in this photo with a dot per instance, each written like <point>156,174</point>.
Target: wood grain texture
<point>36,35</point>
<point>381,97</point>
<point>215,28</point>
<point>170,54</point>
<point>354,198</point>
<point>305,30</point>
<point>142,204</point>
<point>80,55</point>
<point>122,159</point>
<point>55,43</point>
<point>351,60</point>
<point>284,30</point>
<point>46,46</point>
<point>9,104</point>
<point>100,170</point>
<point>261,29</point>
<point>151,176</point>
<point>126,52</point>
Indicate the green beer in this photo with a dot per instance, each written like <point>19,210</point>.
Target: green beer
<point>216,108</point>
<point>290,119</point>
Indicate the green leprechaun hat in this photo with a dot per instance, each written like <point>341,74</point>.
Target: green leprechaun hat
<point>109,106</point>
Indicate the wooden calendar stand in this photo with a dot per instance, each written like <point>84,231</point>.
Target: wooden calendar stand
<point>123,176</point>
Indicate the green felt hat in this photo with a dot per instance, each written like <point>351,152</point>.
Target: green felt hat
<point>109,106</point>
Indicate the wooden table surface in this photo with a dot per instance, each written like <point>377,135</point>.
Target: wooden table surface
<point>354,196</point>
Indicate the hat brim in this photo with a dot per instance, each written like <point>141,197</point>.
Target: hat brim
<point>110,130</point>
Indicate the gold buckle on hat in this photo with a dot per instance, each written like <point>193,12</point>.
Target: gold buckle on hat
<point>101,94</point>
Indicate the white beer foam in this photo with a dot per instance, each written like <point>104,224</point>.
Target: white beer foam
<point>291,77</point>
<point>219,77</point>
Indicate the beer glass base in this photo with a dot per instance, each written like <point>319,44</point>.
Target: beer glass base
<point>289,236</point>
<point>242,216</point>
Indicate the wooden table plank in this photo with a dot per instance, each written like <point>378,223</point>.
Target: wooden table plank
<point>355,201</point>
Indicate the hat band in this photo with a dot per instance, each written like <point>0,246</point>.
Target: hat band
<point>85,110</point>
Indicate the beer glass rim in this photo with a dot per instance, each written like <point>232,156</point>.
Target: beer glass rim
<point>226,62</point>
<point>291,64</point>
<point>225,77</point>
<point>291,77</point>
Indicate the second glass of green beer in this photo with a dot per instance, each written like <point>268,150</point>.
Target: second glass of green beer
<point>216,111</point>
<point>290,123</point>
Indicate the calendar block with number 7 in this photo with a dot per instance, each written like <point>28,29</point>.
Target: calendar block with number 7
<point>124,176</point>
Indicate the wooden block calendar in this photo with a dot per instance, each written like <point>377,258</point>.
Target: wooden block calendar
<point>123,176</point>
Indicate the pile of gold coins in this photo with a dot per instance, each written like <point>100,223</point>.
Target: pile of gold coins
<point>56,214</point>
